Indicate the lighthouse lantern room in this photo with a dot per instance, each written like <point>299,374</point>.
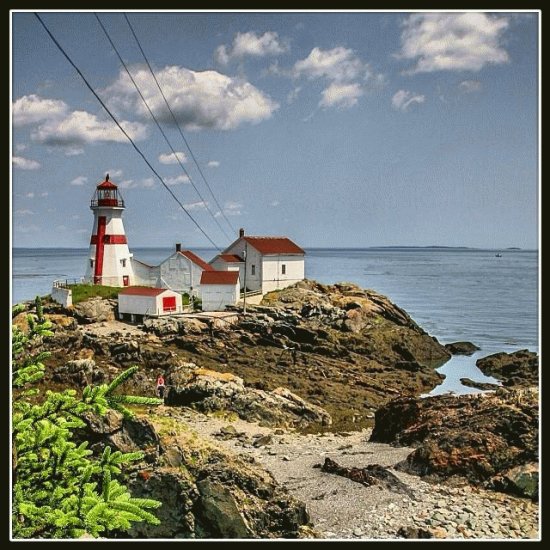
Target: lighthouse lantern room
<point>109,261</point>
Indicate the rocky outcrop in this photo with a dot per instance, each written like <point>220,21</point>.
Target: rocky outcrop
<point>210,391</point>
<point>520,368</point>
<point>474,436</point>
<point>95,310</point>
<point>521,480</point>
<point>485,386</point>
<point>205,492</point>
<point>80,372</point>
<point>461,348</point>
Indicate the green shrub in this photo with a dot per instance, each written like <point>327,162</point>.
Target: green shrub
<point>82,292</point>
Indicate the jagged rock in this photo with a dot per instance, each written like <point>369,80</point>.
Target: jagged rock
<point>521,480</point>
<point>478,385</point>
<point>474,436</point>
<point>209,391</point>
<point>461,348</point>
<point>80,372</point>
<point>95,310</point>
<point>125,352</point>
<point>520,368</point>
<point>373,474</point>
<point>219,511</point>
<point>106,424</point>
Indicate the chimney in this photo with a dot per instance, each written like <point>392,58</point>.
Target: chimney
<point>178,247</point>
<point>241,233</point>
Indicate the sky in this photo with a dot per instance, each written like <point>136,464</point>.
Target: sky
<point>336,129</point>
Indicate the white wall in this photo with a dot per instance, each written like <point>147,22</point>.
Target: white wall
<point>63,296</point>
<point>272,271</point>
<point>253,257</point>
<point>146,305</point>
<point>216,297</point>
<point>145,275</point>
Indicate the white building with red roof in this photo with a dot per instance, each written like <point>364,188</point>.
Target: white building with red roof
<point>219,289</point>
<point>136,302</point>
<point>266,263</point>
<point>181,272</point>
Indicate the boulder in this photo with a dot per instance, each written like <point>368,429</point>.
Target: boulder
<point>80,372</point>
<point>95,310</point>
<point>520,368</point>
<point>209,391</point>
<point>521,480</point>
<point>461,348</point>
<point>473,436</point>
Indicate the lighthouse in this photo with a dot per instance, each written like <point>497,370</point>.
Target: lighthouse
<point>109,260</point>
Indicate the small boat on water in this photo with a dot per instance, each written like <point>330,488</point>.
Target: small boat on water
<point>498,255</point>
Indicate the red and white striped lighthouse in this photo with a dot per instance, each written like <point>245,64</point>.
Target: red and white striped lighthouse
<point>109,261</point>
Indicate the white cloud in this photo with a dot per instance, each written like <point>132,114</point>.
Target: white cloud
<point>213,163</point>
<point>75,217</point>
<point>470,86</point>
<point>403,99</point>
<point>199,100</point>
<point>73,151</point>
<point>29,195</point>
<point>252,45</point>
<point>147,183</point>
<point>195,205</point>
<point>232,208</point>
<point>453,41</point>
<point>340,95</point>
<point>177,180</point>
<point>274,203</point>
<point>44,194</point>
<point>25,164</point>
<point>340,64</point>
<point>79,180</point>
<point>33,109</point>
<point>27,229</point>
<point>20,147</point>
<point>170,158</point>
<point>24,212</point>
<point>61,227</point>
<point>293,94</point>
<point>80,127</point>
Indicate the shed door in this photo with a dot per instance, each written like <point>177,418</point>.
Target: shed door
<point>169,303</point>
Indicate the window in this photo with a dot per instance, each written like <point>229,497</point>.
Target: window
<point>91,263</point>
<point>123,262</point>
<point>283,269</point>
<point>253,270</point>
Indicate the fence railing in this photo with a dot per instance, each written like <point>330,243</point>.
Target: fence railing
<point>66,283</point>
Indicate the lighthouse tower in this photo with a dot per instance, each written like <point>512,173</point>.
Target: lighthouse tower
<point>109,261</point>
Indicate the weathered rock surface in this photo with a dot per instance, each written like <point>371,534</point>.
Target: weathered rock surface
<point>211,391</point>
<point>521,480</point>
<point>461,348</point>
<point>520,368</point>
<point>80,372</point>
<point>95,310</point>
<point>478,385</point>
<point>473,436</point>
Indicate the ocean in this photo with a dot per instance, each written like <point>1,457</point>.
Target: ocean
<point>453,293</point>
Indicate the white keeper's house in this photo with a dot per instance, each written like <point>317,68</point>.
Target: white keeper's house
<point>266,263</point>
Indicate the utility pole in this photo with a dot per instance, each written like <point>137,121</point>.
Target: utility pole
<point>244,297</point>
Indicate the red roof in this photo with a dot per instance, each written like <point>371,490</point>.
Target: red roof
<point>230,258</point>
<point>196,260</point>
<point>143,291</point>
<point>219,277</point>
<point>274,245</point>
<point>107,185</point>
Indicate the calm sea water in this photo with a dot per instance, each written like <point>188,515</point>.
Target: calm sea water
<point>454,294</point>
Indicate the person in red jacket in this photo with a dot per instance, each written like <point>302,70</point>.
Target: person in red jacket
<point>160,386</point>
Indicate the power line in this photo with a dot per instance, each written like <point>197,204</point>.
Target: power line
<point>177,124</point>
<point>159,126</point>
<point>89,86</point>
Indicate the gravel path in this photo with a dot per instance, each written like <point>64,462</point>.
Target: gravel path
<point>343,509</point>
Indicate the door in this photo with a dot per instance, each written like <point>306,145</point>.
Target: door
<point>169,303</point>
<point>125,280</point>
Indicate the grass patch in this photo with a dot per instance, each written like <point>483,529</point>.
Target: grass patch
<point>84,292</point>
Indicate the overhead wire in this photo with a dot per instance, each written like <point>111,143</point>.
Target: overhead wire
<point>176,156</point>
<point>141,154</point>
<point>177,123</point>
